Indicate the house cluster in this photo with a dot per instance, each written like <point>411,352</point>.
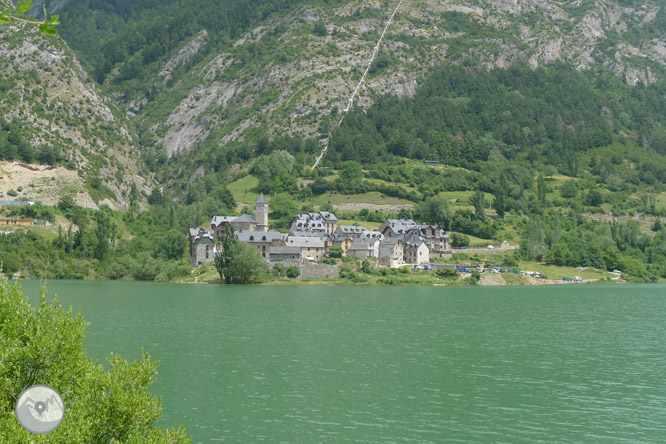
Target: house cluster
<point>394,243</point>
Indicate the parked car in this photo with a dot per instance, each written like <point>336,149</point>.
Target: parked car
<point>567,279</point>
<point>578,278</point>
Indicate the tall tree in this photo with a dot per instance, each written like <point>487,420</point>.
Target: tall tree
<point>478,200</point>
<point>238,262</point>
<point>541,191</point>
<point>501,191</point>
<point>104,234</point>
<point>436,210</point>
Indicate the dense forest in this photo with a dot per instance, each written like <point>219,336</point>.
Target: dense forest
<point>461,113</point>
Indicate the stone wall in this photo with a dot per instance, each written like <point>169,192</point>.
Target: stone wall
<point>309,269</point>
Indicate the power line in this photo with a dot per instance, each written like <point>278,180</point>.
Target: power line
<point>358,87</point>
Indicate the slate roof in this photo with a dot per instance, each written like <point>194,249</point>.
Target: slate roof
<point>359,246</point>
<point>217,220</point>
<point>245,218</point>
<point>401,226</point>
<point>327,215</point>
<point>392,241</point>
<point>293,241</point>
<point>285,250</point>
<point>261,199</point>
<point>351,229</point>
<point>317,234</point>
<point>200,233</point>
<point>258,236</point>
<point>413,242</point>
<point>371,236</point>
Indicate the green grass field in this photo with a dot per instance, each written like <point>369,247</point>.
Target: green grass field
<point>383,182</point>
<point>368,225</point>
<point>461,197</point>
<point>373,197</point>
<point>245,189</point>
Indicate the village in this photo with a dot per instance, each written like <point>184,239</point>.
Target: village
<point>396,243</point>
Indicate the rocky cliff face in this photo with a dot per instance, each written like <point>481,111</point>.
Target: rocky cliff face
<point>48,98</point>
<point>286,78</point>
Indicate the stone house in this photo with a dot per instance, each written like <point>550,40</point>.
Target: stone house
<point>343,242</point>
<point>392,252</point>
<point>373,239</point>
<point>392,228</point>
<point>351,231</point>
<point>310,247</point>
<point>326,238</point>
<point>262,241</point>
<point>360,250</point>
<point>436,239</point>
<point>416,251</point>
<point>434,236</point>
<point>323,221</point>
<point>245,222</point>
<point>279,254</point>
<point>202,246</point>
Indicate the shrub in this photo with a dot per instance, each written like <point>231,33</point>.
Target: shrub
<point>292,272</point>
<point>278,270</point>
<point>447,273</point>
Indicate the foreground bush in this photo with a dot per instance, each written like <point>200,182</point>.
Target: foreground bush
<point>45,346</point>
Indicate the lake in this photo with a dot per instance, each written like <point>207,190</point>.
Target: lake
<point>308,364</point>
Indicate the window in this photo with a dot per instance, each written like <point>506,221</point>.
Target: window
<point>251,238</point>
<point>263,247</point>
<point>263,238</point>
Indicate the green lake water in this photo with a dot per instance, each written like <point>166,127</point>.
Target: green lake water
<point>546,364</point>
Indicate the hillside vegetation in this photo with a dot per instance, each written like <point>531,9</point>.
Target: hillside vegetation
<point>543,126</point>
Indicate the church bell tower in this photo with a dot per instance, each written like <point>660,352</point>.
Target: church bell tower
<point>261,213</point>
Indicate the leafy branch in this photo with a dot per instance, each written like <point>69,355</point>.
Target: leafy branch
<point>46,26</point>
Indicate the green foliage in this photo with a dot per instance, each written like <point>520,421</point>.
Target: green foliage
<point>335,252</point>
<point>283,207</point>
<point>171,246</point>
<point>320,29</point>
<point>459,240</point>
<point>278,270</point>
<point>479,202</point>
<point>238,262</point>
<point>105,233</point>
<point>436,210</point>
<point>447,273</point>
<point>569,189</point>
<point>269,167</point>
<point>292,272</point>
<point>46,346</point>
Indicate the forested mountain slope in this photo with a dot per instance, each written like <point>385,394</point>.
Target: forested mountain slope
<point>204,74</point>
<point>209,86</point>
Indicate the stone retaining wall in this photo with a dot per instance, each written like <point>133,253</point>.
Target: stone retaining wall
<point>309,269</point>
